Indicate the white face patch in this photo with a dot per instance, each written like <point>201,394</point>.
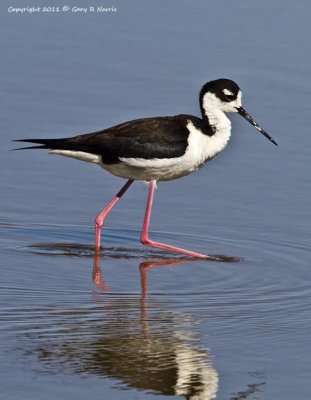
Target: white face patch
<point>227,92</point>
<point>212,104</point>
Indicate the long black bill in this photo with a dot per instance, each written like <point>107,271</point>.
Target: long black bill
<point>248,118</point>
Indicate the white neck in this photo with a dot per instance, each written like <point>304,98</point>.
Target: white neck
<point>221,125</point>
<point>218,120</point>
<point>216,117</point>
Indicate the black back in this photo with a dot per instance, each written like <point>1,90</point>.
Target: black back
<point>159,137</point>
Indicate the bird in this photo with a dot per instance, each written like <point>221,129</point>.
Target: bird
<point>155,149</point>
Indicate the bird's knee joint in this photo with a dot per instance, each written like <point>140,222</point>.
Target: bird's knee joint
<point>98,223</point>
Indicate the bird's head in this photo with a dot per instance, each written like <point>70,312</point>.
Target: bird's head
<point>226,96</point>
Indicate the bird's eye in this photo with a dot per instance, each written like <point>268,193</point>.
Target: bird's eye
<point>230,97</point>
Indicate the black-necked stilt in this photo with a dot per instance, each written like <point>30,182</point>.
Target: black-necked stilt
<point>157,149</point>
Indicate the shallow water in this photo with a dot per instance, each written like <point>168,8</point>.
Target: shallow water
<point>138,323</point>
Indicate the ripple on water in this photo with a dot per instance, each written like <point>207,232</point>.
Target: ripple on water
<point>47,243</point>
<point>273,262</point>
<point>118,333</point>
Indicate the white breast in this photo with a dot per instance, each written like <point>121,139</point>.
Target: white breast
<point>203,147</point>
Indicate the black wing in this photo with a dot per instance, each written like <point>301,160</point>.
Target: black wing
<point>160,137</point>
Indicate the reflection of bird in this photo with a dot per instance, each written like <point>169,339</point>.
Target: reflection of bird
<point>140,345</point>
<point>170,365</point>
<point>160,362</point>
<point>157,149</point>
<point>144,266</point>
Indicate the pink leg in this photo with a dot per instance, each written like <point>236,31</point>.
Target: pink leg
<point>99,220</point>
<point>145,235</point>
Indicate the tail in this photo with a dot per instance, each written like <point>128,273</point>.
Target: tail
<point>44,143</point>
